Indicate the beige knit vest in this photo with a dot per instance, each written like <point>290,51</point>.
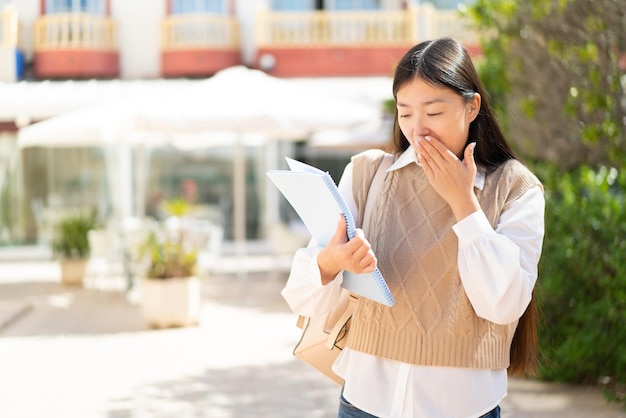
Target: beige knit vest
<point>432,322</point>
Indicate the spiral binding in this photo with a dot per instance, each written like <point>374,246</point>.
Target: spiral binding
<point>351,229</point>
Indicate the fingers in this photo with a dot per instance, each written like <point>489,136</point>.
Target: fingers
<point>363,260</point>
<point>427,155</point>
<point>468,155</point>
<point>341,233</point>
<point>353,255</point>
<point>332,257</point>
<point>368,263</point>
<point>361,255</point>
<point>434,151</point>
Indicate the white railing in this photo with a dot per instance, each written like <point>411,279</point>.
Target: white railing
<point>337,28</point>
<point>438,23</point>
<point>199,31</point>
<point>9,27</point>
<point>353,28</point>
<point>76,31</point>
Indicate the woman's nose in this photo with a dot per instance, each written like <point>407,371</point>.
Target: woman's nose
<point>419,128</point>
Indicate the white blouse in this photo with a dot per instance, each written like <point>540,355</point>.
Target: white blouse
<point>498,269</point>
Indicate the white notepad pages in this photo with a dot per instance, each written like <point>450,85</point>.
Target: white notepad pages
<point>316,199</point>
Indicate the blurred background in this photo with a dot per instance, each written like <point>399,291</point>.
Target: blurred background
<point>145,60</point>
<point>129,124</point>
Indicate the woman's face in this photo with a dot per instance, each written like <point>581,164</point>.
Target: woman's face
<point>438,112</point>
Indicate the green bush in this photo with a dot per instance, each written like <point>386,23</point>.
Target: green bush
<point>71,239</point>
<point>582,277</point>
<point>168,255</point>
<point>167,259</point>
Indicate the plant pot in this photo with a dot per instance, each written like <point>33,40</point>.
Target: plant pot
<point>174,302</point>
<point>73,271</point>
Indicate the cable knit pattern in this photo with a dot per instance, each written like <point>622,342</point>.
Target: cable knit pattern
<point>432,322</point>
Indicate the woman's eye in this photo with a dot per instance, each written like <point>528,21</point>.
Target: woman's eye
<point>404,116</point>
<point>434,114</point>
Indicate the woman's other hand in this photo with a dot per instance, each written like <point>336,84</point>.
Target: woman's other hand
<point>339,254</point>
<point>451,177</point>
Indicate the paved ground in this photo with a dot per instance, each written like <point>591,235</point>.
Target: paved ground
<point>86,353</point>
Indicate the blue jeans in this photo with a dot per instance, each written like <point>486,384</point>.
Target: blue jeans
<point>347,410</point>
<point>494,413</point>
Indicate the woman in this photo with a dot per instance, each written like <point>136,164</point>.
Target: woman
<point>456,231</point>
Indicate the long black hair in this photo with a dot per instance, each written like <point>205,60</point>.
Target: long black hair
<point>446,63</point>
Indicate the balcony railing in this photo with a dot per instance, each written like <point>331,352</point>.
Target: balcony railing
<point>199,31</point>
<point>337,28</point>
<point>9,27</point>
<point>439,23</point>
<point>75,31</point>
<point>371,28</point>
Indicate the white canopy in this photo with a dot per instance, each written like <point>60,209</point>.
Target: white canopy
<point>243,100</point>
<point>236,99</point>
<point>92,126</point>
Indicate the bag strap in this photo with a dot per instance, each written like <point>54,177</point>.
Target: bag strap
<point>341,322</point>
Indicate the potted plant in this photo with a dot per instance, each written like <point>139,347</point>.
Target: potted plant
<point>170,290</point>
<point>70,245</point>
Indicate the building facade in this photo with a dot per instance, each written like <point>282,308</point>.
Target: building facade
<point>60,55</point>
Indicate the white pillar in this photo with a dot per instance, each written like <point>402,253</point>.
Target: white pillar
<point>239,196</point>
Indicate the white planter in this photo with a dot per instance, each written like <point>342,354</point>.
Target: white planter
<point>72,271</point>
<point>172,302</point>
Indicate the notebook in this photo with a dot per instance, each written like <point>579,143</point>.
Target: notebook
<point>315,198</point>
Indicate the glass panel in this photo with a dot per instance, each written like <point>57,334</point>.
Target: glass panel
<point>205,178</point>
<point>75,6</point>
<point>93,6</point>
<point>54,180</point>
<point>450,4</point>
<point>354,5</point>
<point>73,178</point>
<point>199,6</point>
<point>9,189</point>
<point>293,5</point>
<point>58,6</point>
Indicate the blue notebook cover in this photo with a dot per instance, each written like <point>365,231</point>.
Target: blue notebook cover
<point>316,199</point>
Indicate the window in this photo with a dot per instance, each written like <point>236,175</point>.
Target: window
<point>450,4</point>
<point>76,6</point>
<point>293,5</point>
<point>353,4</point>
<point>199,6</point>
<point>296,5</point>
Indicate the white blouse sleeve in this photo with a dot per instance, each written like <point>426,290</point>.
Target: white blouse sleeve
<point>498,267</point>
<point>304,292</point>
